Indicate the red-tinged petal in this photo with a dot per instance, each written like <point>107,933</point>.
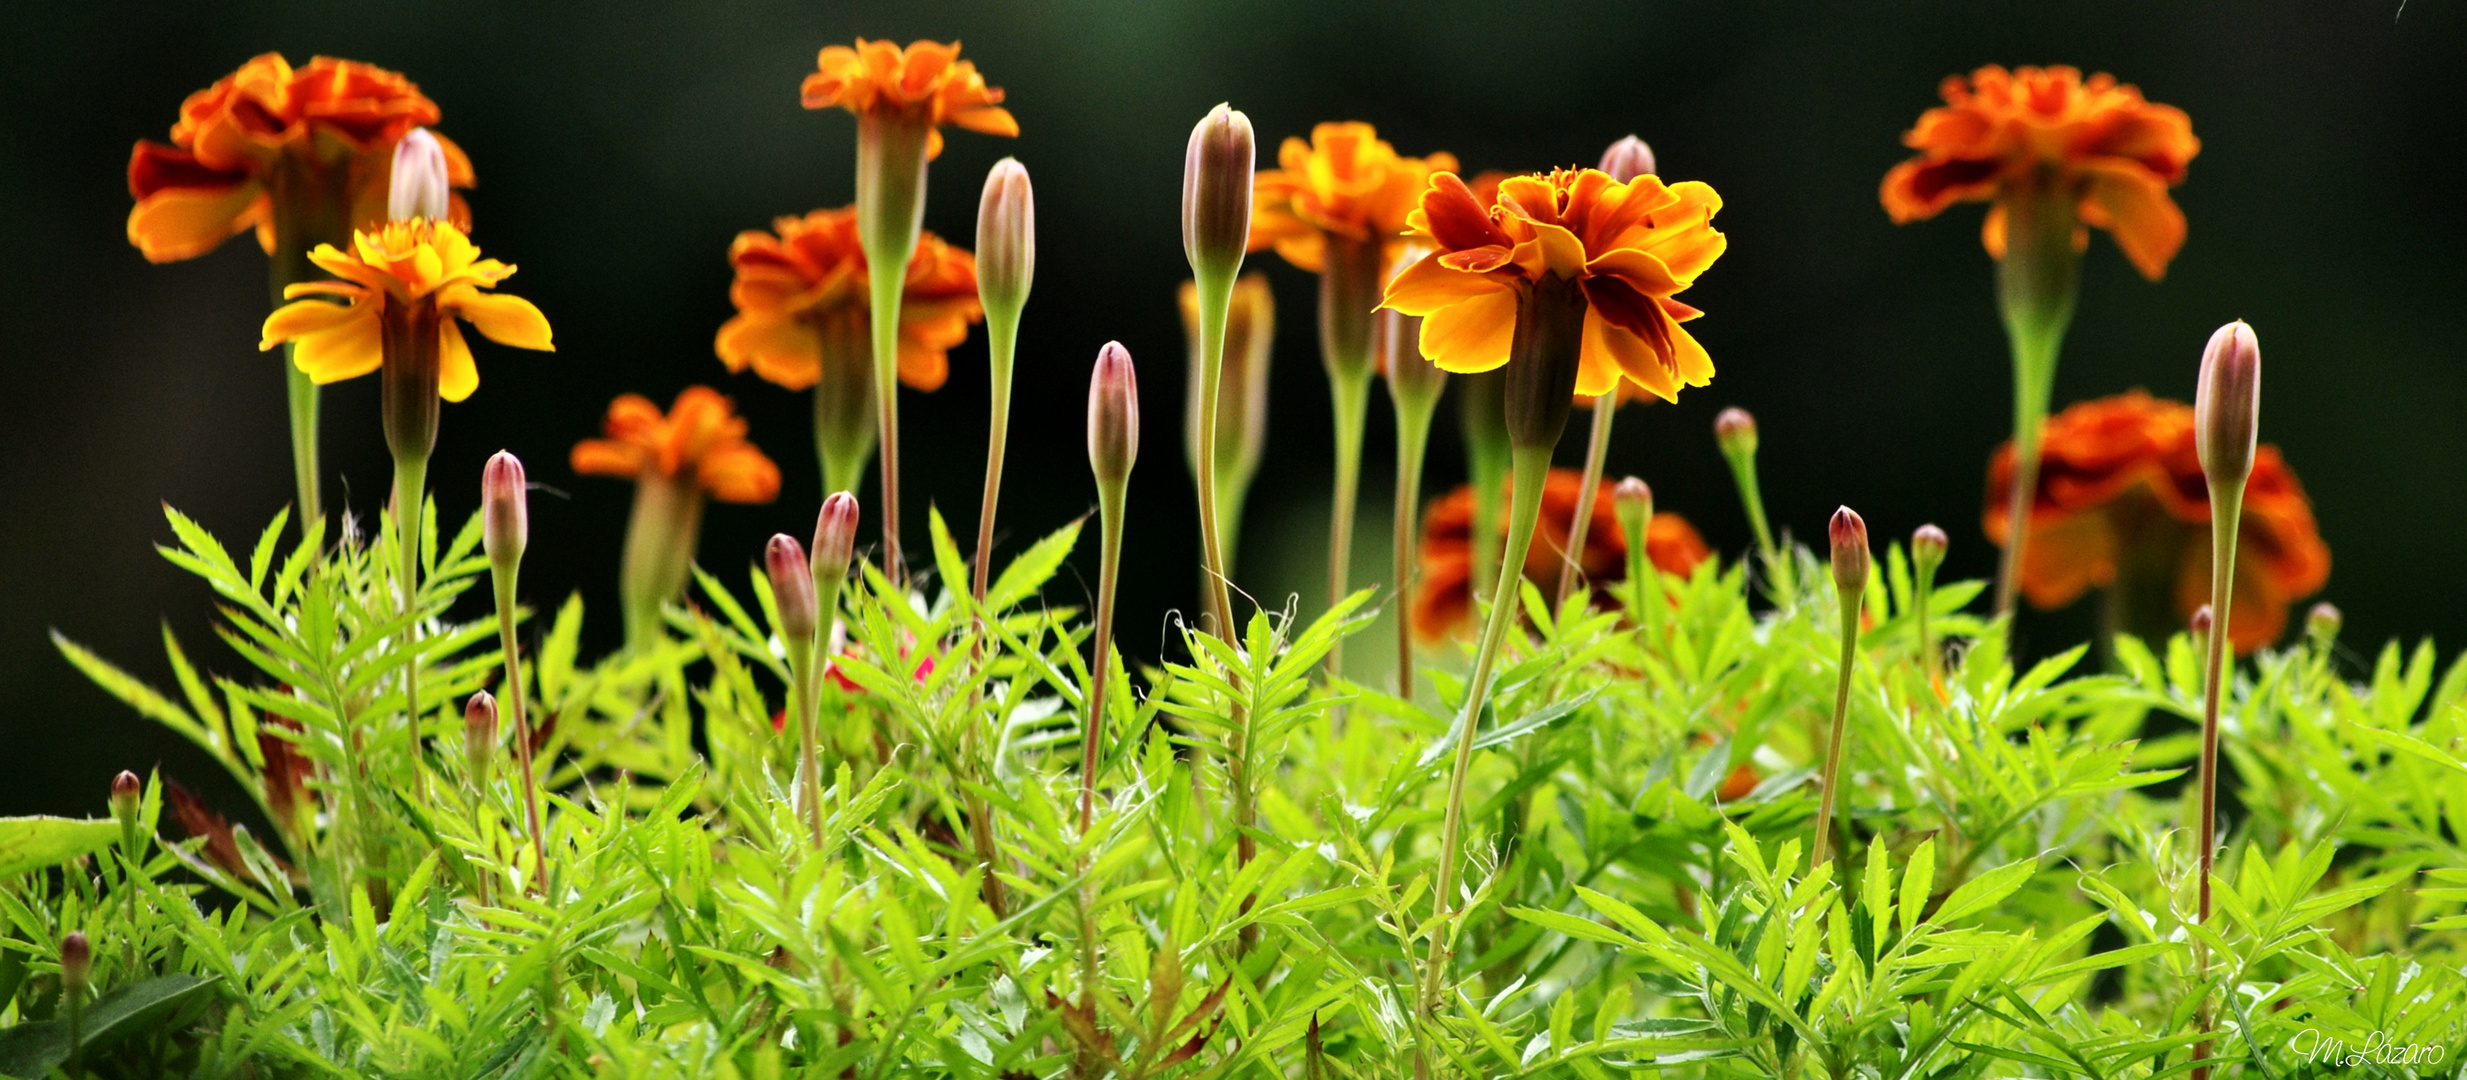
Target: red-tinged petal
<point>153,167</point>
<point>1607,345</point>
<point>1481,260</point>
<point>1471,335</point>
<point>1677,311</point>
<point>457,374</point>
<point>1620,304</point>
<point>1920,188</point>
<point>1638,269</point>
<point>1456,219</point>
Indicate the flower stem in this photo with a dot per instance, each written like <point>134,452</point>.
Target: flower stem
<point>659,552</point>
<point>2037,282</point>
<point>1001,339</point>
<point>2226,513</point>
<point>1349,283</point>
<point>1531,465</point>
<point>410,475</point>
<point>1349,394</point>
<point>1413,435</point>
<point>1596,448</point>
<point>1930,660</point>
<point>515,697</point>
<point>1823,846</point>
<point>1215,295</point>
<point>890,210</point>
<point>1752,497</point>
<point>844,405</point>
<point>1482,417</point>
<point>306,202</point>
<point>1110,505</point>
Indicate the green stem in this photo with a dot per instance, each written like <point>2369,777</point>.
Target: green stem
<point>1349,395</point>
<point>1413,435</point>
<point>890,211</point>
<point>1001,338</point>
<point>1930,661</point>
<point>308,204</point>
<point>1850,602</point>
<point>1752,496</point>
<point>1531,467</point>
<point>1596,449</point>
<point>2037,282</point>
<point>515,697</point>
<point>2226,514</point>
<point>1483,417</point>
<point>1110,505</point>
<point>410,476</point>
<point>1215,295</point>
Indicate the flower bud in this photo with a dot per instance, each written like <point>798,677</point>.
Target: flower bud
<point>1113,415</point>
<point>1735,430</point>
<point>2227,405</point>
<point>126,791</point>
<point>1850,557</point>
<point>2320,624</point>
<point>480,735</point>
<point>835,536</point>
<point>1216,192</point>
<point>1633,502</point>
<point>1006,237</point>
<point>1927,548</point>
<point>2200,624</point>
<point>1628,159</point>
<point>792,588</point>
<point>505,524</point>
<point>76,964</point>
<point>419,187</point>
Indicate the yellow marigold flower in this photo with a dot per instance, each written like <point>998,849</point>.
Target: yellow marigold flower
<point>805,285</point>
<point>926,81</point>
<point>700,439</point>
<point>1629,247</point>
<point>415,267</point>
<point>2000,133</point>
<point>1345,182</point>
<point>310,136</point>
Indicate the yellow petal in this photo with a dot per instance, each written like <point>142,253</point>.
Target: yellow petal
<point>301,318</point>
<point>1471,335</point>
<point>1426,286</point>
<point>350,349</point>
<point>457,375</point>
<point>1630,355</point>
<point>506,320</point>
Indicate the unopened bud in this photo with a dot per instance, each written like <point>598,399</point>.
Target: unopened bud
<point>419,188</point>
<point>835,538</point>
<point>2322,623</point>
<point>1628,159</point>
<point>1006,237</point>
<point>1927,546</point>
<point>126,790</point>
<point>1850,556</point>
<point>1113,415</point>
<point>76,964</point>
<point>2227,405</point>
<point>1216,193</point>
<point>2200,624</point>
<point>1633,502</point>
<point>1735,430</point>
<point>792,588</point>
<point>505,523</point>
<point>480,735</point>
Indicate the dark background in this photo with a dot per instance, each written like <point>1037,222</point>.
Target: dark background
<point>621,145</point>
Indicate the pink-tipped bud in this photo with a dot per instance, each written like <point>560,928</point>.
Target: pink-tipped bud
<point>2322,623</point>
<point>419,180</point>
<point>1006,237</point>
<point>835,537</point>
<point>1927,546</point>
<point>2227,405</point>
<point>792,587</point>
<point>1113,416</point>
<point>126,792</point>
<point>1735,430</point>
<point>1632,500</point>
<point>76,963</point>
<point>1216,193</point>
<point>1628,159</point>
<point>505,522</point>
<point>1631,491</point>
<point>479,735</point>
<point>2201,623</point>
<point>1850,556</point>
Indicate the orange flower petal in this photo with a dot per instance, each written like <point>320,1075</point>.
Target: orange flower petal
<point>2132,205</point>
<point>739,473</point>
<point>347,350</point>
<point>608,457</point>
<point>506,320</point>
<point>1429,285</point>
<point>301,318</point>
<point>457,375</point>
<point>1473,334</point>
<point>183,223</point>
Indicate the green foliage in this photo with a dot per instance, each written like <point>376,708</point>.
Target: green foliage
<point>1252,896</point>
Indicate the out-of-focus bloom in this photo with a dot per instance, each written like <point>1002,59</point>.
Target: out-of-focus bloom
<point>2122,502</point>
<point>413,265</point>
<point>926,82</point>
<point>326,131</point>
<point>1927,547</point>
<point>802,302</point>
<point>1443,600</point>
<point>2001,134</point>
<point>700,438</point>
<point>1630,247</point>
<point>1345,182</point>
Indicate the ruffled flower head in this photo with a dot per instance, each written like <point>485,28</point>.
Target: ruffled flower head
<point>1631,247</point>
<point>806,282</point>
<point>1443,593</point>
<point>926,81</point>
<point>2000,132</point>
<point>1344,182</point>
<point>403,263</point>
<point>217,177</point>
<point>700,437</point>
<point>2120,487</point>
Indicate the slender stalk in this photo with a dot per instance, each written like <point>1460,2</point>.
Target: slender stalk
<point>890,211</point>
<point>1823,847</point>
<point>1413,435</point>
<point>1109,513</point>
<point>1596,448</point>
<point>2226,513</point>
<point>1350,396</point>
<point>1349,284</point>
<point>306,202</point>
<point>2037,282</point>
<point>1215,295</point>
<point>1482,412</point>
<point>1930,662</point>
<point>410,475</point>
<point>515,698</point>
<point>1002,337</point>
<point>1531,469</point>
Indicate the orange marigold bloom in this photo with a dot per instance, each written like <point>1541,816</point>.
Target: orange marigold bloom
<point>807,284</point>
<point>403,263</point>
<point>2000,132</point>
<point>236,138</point>
<point>1632,247</point>
<point>1346,181</point>
<point>927,80</point>
<point>700,437</point>
<point>1443,594</point>
<point>2121,503</point>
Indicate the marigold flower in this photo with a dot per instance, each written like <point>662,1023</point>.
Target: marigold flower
<point>1345,182</point>
<point>221,173</point>
<point>1443,597</point>
<point>1630,247</point>
<point>2121,503</point>
<point>926,81</point>
<point>2001,132</point>
<point>700,438</point>
<point>802,302</point>
<point>403,263</point>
